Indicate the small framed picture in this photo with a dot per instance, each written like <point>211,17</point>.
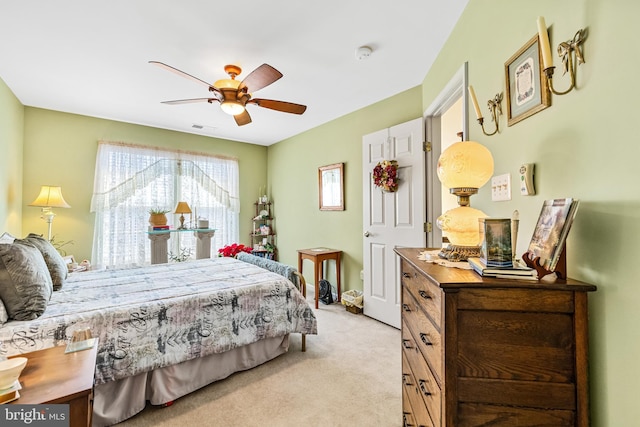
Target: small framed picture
<point>526,84</point>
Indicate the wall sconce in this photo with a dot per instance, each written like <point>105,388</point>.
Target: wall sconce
<point>464,167</point>
<point>49,197</point>
<point>182,208</point>
<point>566,50</point>
<point>495,107</point>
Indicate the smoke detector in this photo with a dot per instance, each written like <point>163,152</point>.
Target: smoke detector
<point>363,52</point>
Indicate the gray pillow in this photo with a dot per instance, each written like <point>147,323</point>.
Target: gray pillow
<point>4,316</point>
<point>55,263</point>
<point>25,283</point>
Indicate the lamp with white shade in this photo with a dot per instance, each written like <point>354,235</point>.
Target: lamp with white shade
<point>50,197</point>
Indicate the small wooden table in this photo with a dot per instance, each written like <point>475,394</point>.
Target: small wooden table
<point>318,256</point>
<point>53,376</point>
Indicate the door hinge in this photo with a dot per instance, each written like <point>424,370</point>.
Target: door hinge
<point>428,228</point>
<point>426,146</point>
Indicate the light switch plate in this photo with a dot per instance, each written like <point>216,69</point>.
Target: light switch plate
<point>501,187</point>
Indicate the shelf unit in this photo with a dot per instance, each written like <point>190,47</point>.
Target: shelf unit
<point>262,234</point>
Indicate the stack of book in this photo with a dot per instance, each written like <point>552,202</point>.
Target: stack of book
<point>10,394</point>
<point>515,271</point>
<point>160,227</point>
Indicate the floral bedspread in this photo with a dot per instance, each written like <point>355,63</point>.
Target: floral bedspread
<point>160,315</point>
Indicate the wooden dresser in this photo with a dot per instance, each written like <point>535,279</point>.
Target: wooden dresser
<point>480,351</point>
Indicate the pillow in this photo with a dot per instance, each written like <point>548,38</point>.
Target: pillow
<point>25,283</point>
<point>55,263</point>
<point>4,316</point>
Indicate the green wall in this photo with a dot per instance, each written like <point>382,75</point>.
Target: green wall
<point>60,149</point>
<point>293,181</point>
<point>583,146</point>
<point>11,140</point>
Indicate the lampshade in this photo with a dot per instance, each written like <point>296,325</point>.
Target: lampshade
<point>50,197</point>
<point>183,208</point>
<point>461,225</point>
<point>232,108</point>
<point>465,164</point>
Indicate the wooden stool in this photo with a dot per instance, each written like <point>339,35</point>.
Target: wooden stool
<point>318,256</point>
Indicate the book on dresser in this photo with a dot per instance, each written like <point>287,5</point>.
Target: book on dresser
<point>517,271</point>
<point>552,228</point>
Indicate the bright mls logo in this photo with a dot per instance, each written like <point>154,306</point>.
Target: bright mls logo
<point>35,415</point>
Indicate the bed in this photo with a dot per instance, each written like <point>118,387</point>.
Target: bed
<point>166,330</point>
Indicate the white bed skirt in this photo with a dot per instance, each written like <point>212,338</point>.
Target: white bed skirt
<point>116,401</point>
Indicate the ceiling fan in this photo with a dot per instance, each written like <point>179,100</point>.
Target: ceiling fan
<point>233,95</point>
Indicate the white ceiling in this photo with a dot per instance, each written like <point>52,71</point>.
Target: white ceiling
<point>91,58</point>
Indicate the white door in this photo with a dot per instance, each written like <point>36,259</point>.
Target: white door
<point>391,219</point>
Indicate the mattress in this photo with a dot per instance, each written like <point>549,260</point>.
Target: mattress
<point>161,315</point>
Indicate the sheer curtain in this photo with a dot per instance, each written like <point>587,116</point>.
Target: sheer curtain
<point>131,179</point>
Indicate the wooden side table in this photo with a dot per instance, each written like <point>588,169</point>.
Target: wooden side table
<point>318,256</point>
<point>53,376</point>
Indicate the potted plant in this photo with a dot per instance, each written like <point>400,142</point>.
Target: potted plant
<point>158,217</point>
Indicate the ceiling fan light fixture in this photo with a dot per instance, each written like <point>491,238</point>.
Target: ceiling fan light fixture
<point>232,108</point>
<point>226,84</point>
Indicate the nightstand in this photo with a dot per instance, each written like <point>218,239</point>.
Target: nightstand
<point>53,376</point>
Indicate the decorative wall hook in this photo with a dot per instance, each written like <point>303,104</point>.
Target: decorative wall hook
<point>566,50</point>
<point>495,108</point>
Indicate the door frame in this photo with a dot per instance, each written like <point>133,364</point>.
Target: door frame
<point>453,90</point>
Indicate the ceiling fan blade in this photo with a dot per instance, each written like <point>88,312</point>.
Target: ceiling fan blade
<point>261,77</point>
<point>189,101</point>
<point>286,107</point>
<point>179,72</point>
<point>243,118</point>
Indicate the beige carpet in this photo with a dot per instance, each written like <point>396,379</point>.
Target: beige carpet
<point>349,376</point>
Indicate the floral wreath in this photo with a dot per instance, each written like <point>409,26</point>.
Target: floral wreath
<point>385,175</point>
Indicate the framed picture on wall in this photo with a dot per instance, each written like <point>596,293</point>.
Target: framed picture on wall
<point>331,187</point>
<point>526,84</point>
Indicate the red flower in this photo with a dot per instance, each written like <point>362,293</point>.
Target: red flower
<point>233,250</point>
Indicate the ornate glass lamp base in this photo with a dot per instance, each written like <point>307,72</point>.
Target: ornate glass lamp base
<point>457,253</point>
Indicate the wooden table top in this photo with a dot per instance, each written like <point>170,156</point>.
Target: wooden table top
<point>53,376</point>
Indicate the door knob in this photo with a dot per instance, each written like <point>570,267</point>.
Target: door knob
<point>367,234</point>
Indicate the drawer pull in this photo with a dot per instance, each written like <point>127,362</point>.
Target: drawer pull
<point>406,275</point>
<point>423,387</point>
<point>404,379</point>
<point>425,338</point>
<point>406,308</point>
<point>407,344</point>
<point>425,295</point>
<point>405,423</point>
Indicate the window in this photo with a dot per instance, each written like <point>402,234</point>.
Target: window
<point>130,180</point>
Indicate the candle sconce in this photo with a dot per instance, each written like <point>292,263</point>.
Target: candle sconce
<point>495,108</point>
<point>566,50</point>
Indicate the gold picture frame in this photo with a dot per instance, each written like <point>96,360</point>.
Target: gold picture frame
<point>526,84</point>
<point>331,187</point>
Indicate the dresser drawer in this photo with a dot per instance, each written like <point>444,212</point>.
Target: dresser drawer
<point>411,392</point>
<point>424,335</point>
<point>427,385</point>
<point>428,294</point>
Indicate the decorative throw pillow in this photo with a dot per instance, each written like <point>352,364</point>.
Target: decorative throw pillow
<point>4,316</point>
<point>55,263</point>
<point>25,283</point>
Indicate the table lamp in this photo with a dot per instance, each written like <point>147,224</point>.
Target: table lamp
<point>464,167</point>
<point>182,208</point>
<point>49,197</point>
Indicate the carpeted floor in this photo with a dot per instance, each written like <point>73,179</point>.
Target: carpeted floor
<point>350,375</point>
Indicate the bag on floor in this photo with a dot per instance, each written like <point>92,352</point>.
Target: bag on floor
<point>325,292</point>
